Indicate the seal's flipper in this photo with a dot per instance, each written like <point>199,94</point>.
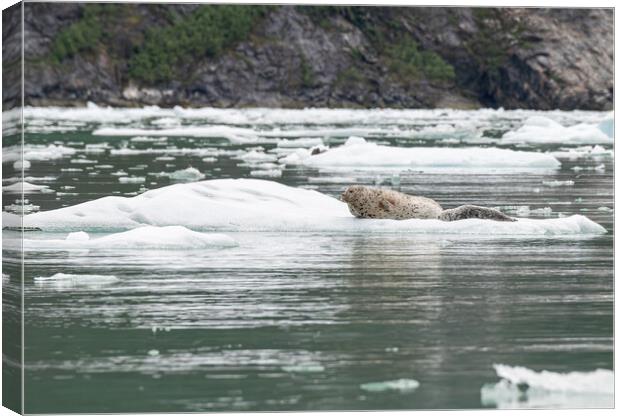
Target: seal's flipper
<point>386,204</point>
<point>472,211</point>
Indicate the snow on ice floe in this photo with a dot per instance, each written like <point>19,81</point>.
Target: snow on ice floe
<point>263,205</point>
<point>146,237</point>
<point>521,387</point>
<point>358,153</point>
<point>540,129</point>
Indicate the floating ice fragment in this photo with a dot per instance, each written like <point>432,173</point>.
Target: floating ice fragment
<point>402,384</point>
<point>304,368</point>
<point>65,281</point>
<point>186,175</point>
<point>19,165</point>
<point>266,173</point>
<point>301,142</point>
<point>521,387</point>
<point>27,188</point>
<point>540,129</point>
<point>558,183</point>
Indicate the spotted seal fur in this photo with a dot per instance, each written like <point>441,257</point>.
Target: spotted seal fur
<point>367,202</point>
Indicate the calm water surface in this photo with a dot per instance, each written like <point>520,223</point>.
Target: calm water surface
<point>300,321</point>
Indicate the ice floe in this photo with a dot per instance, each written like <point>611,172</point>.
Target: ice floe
<point>358,153</point>
<point>540,129</point>
<point>521,387</point>
<point>263,205</point>
<point>146,237</point>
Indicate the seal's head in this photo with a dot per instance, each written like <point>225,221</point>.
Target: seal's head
<point>352,193</point>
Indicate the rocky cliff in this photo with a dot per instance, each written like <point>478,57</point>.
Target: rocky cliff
<point>301,56</point>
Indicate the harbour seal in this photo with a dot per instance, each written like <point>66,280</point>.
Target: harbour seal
<point>367,202</point>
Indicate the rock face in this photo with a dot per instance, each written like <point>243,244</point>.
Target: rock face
<point>327,56</point>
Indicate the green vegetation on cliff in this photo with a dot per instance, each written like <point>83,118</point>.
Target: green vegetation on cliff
<point>406,59</point>
<point>207,32</point>
<point>83,35</point>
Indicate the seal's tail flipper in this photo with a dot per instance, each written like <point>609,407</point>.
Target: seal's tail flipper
<point>472,211</point>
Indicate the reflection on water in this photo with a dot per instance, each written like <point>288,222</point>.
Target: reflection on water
<point>300,321</point>
<point>303,321</point>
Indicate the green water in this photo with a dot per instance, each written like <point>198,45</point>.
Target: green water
<point>300,321</point>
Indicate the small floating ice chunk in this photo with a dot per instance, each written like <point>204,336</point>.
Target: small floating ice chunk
<point>402,384</point>
<point>26,187</point>
<point>84,161</point>
<point>64,280</point>
<point>304,368</point>
<point>131,179</point>
<point>256,156</point>
<point>301,142</point>
<point>522,387</point>
<point>18,165</point>
<point>558,183</point>
<point>266,173</point>
<point>153,353</point>
<point>605,209</point>
<point>186,175</point>
<point>146,139</point>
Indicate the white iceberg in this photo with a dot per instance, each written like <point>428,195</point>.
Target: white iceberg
<point>540,129</point>
<point>146,237</point>
<point>358,153</point>
<point>263,205</point>
<point>521,387</point>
